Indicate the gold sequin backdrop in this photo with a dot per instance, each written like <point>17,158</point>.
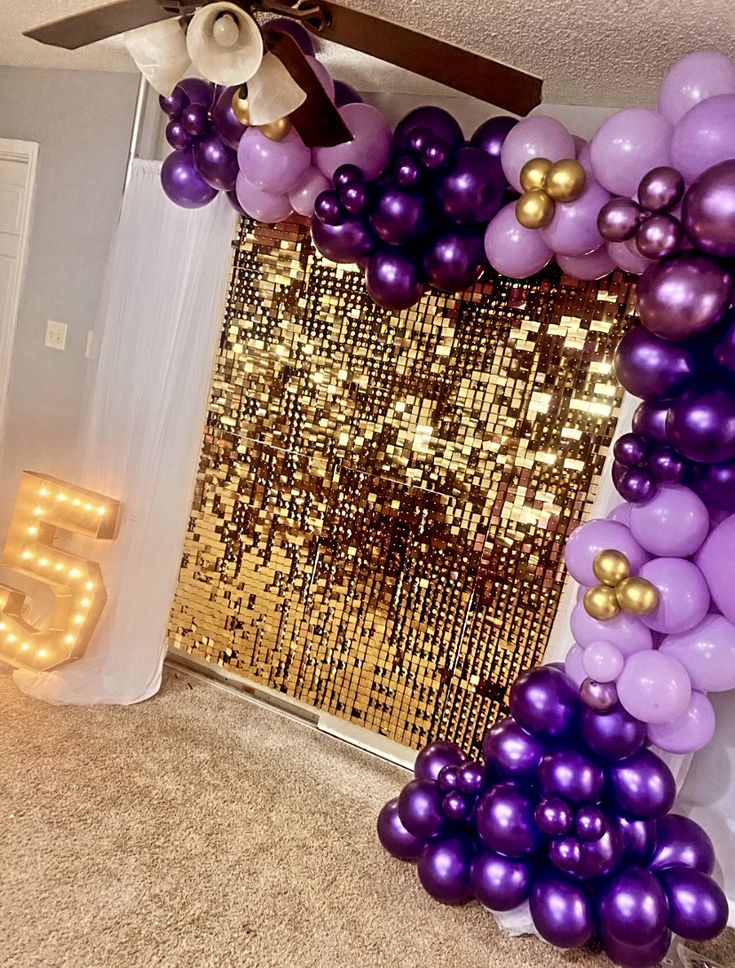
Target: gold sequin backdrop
<point>383,499</point>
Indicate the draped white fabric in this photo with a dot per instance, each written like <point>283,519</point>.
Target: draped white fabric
<point>158,326</point>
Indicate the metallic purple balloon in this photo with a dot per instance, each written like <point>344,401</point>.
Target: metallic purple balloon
<point>545,702</point>
<point>565,853</point>
<point>619,219</point>
<point>649,419</point>
<point>500,883</point>
<point>447,778</point>
<point>723,350</point>
<point>398,216</point>
<point>182,183</point>
<point>613,736</point>
<point>235,202</point>
<point>394,280</point>
<point>561,911</point>
<point>198,91</point>
<point>216,163</point>
<point>510,750</point>
<point>435,757</point>
<point>175,102</point>
<point>698,908</point>
<point>435,154</point>
<point>715,484</point>
<point>633,907</point>
<point>666,465</point>
<point>642,786</point>
<point>347,175</point>
<point>661,189</point>
<point>407,171</point>
<point>590,823</point>
<point>659,236</point>
<point>195,120</point>
<point>350,241</point>
<point>600,696</point>
<point>177,136</point>
<point>438,122</point>
<point>473,189</point>
<point>355,197</point>
<point>345,93</point>
<point>491,134</point>
<point>653,368</point>
<point>504,819</point>
<point>639,837</point>
<point>553,816</point>
<point>471,778</point>
<point>295,30</point>
<point>635,485</point>
<point>631,450</point>
<point>701,424</point>
<point>636,956</point>
<point>571,775</point>
<point>683,296</point>
<point>681,841</point>
<point>420,808</point>
<point>602,857</point>
<point>454,261</point>
<point>455,806</point>
<point>444,869</point>
<point>328,208</point>
<point>708,211</point>
<point>394,836</point>
<point>226,125</point>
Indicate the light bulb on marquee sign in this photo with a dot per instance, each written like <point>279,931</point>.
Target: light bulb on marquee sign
<point>46,508</point>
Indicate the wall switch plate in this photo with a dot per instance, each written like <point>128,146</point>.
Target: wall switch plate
<point>55,335</point>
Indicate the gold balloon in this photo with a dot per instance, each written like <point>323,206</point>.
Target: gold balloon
<point>276,130</point>
<point>600,602</point>
<point>240,107</point>
<point>611,567</point>
<point>533,173</point>
<point>534,209</point>
<point>637,595</point>
<point>565,180</point>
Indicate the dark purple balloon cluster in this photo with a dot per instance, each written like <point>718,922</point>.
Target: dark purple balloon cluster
<point>204,133</point>
<point>422,221</point>
<point>569,813</point>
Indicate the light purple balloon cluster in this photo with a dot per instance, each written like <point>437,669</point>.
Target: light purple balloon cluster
<point>659,666</point>
<point>568,815</point>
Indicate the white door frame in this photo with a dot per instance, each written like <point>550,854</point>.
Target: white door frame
<point>25,153</point>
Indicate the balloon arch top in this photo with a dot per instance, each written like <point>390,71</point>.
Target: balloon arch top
<point>568,815</point>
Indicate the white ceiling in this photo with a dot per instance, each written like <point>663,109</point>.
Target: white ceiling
<point>607,52</point>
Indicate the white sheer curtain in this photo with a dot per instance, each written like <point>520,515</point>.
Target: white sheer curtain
<point>158,325</point>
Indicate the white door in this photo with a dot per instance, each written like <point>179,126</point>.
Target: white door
<point>18,161</point>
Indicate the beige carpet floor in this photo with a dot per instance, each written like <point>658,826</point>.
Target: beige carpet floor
<point>199,829</point>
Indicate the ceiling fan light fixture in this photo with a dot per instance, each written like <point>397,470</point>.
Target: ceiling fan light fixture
<point>225,43</point>
<point>160,54</point>
<point>272,92</point>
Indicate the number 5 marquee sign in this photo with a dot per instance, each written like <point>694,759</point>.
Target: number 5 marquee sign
<point>46,512</point>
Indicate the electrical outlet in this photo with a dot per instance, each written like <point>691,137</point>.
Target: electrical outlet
<point>55,335</point>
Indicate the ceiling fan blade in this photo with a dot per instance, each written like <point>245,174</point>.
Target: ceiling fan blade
<point>98,23</point>
<point>471,73</point>
<point>317,121</point>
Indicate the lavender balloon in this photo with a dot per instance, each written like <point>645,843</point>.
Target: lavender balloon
<point>614,736</point>
<point>573,229</point>
<point>216,163</point>
<point>653,368</point>
<point>273,166</point>
<point>672,524</point>
<point>512,250</point>
<point>625,259</point>
<point>642,786</point>
<point>626,632</point>
<point>701,424</point>
<point>261,205</point>
<point>602,661</point>
<point>709,210</point>
<point>535,137</point>
<point>689,732</point>
<point>683,595</point>
<point>683,296</point>
<point>715,561</point>
<point>444,869</point>
<point>369,148</point>
<point>182,182</point>
<point>627,146</point>
<point>394,836</point>
<point>394,280</point>
<point>512,751</point>
<point>697,905</point>
<point>500,883</point>
<point>590,265</point>
<point>588,540</point>
<point>654,687</point>
<point>304,194</point>
<point>682,842</point>
<point>561,911</point>
<point>618,219</point>
<point>694,78</point>
<point>704,136</point>
<point>491,134</point>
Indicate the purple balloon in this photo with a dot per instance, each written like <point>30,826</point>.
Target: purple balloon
<point>627,260</point>
<point>600,696</point>
<point>182,183</point>
<point>216,163</point>
<point>350,241</point>
<point>198,91</point>
<point>574,666</point>
<point>394,836</point>
<point>305,193</point>
<point>639,837</point>
<point>649,420</point>
<point>355,198</point>
<point>631,449</point>
<point>435,757</point>
<point>633,907</point>
<point>553,816</point>
<point>660,190</point>
<point>667,466</point>
<point>613,736</point>
<point>683,296</point>
<point>689,732</point>
<point>513,250</point>
<point>226,126</point>
<point>438,122</point>
<point>698,908</point>
<point>195,120</point>
<point>590,823</point>
<point>474,187</point>
<point>621,514</point>
<point>510,750</point>
<point>233,200</point>
<point>588,540</point>
<point>345,93</point>
<point>601,857</point>
<point>407,171</point>
<point>500,883</point>
<point>263,206</point>
<point>561,911</point>
<point>715,484</point>
<point>701,424</point>
<point>627,146</point>
<point>642,786</point>
<point>394,280</point>
<point>626,632</point>
<point>447,778</point>
<point>544,701</point>
<point>636,956</point>
<point>695,78</point>
<point>420,808</point>
<point>589,265</point>
<point>369,148</point>
<point>682,842</point>
<point>504,819</point>
<point>635,485</point>
<point>322,75</point>
<point>470,778</point>
<point>177,136</point>
<point>705,136</point>
<point>566,854</point>
<point>618,219</point>
<point>435,154</point>
<point>492,133</point>
<point>273,166</point>
<point>659,236</point>
<point>300,34</point>
<point>328,208</point>
<point>535,137</point>
<point>723,350</point>
<point>174,103</point>
<point>571,775</point>
<point>683,595</point>
<point>602,661</point>
<point>573,229</point>
<point>709,210</point>
<point>672,524</point>
<point>715,561</point>
<point>455,260</point>
<point>444,869</point>
<point>455,806</point>
<point>399,216</point>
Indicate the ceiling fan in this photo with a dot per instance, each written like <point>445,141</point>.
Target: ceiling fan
<point>316,118</point>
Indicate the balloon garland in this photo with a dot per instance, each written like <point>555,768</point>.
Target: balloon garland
<point>569,813</point>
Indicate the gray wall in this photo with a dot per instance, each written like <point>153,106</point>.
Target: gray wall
<point>82,122</point>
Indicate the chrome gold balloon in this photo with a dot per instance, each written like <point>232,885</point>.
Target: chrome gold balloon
<point>276,130</point>
<point>533,173</point>
<point>565,180</point>
<point>637,596</point>
<point>611,567</point>
<point>240,107</point>
<point>534,209</point>
<point>601,603</point>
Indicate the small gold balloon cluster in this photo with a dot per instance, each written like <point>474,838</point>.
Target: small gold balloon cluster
<point>618,590</point>
<point>544,184</point>
<point>275,130</point>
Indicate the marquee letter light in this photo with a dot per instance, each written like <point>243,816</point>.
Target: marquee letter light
<point>45,510</point>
